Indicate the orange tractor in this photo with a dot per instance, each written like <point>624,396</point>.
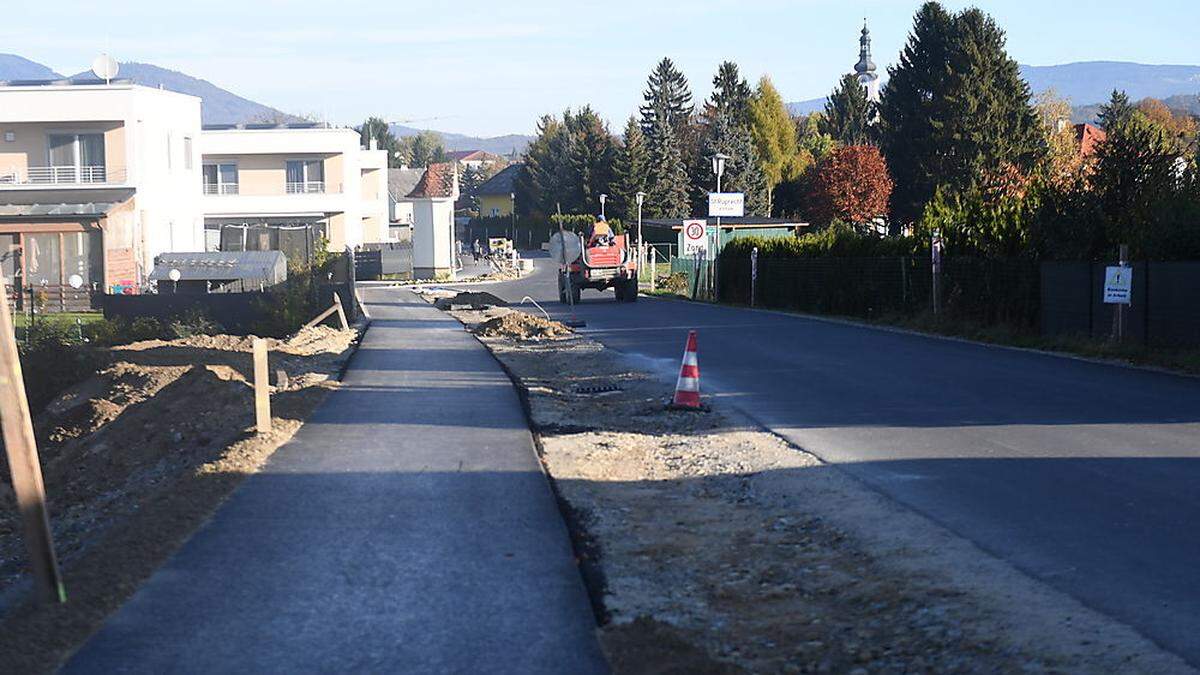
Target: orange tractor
<point>599,260</point>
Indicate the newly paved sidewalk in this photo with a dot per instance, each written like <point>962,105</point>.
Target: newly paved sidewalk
<point>406,528</point>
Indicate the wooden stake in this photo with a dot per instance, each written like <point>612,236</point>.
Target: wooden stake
<point>21,448</point>
<point>321,317</point>
<point>262,387</point>
<point>337,302</point>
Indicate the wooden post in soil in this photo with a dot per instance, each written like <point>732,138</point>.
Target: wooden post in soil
<point>262,393</point>
<point>21,448</point>
<point>337,302</point>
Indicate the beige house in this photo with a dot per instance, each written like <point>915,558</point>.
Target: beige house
<point>283,187</point>
<point>96,180</point>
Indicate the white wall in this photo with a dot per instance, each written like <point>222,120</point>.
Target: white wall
<point>433,236</point>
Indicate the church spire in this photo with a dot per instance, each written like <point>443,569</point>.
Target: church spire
<point>865,68</point>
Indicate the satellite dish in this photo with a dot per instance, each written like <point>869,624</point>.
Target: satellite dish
<point>565,247</point>
<point>105,67</point>
<point>75,280</point>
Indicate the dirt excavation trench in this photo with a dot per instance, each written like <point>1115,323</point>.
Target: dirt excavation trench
<point>710,545</point>
<point>135,458</point>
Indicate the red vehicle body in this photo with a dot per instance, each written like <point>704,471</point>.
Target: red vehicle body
<point>604,263</point>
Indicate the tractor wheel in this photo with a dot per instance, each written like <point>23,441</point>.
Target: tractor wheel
<point>631,290</point>
<point>619,290</point>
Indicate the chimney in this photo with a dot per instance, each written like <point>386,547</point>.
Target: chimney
<point>373,144</point>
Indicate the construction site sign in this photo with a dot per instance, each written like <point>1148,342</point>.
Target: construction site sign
<point>695,237</point>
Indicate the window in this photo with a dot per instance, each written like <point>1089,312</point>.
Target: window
<point>187,152</point>
<point>74,158</point>
<point>220,179</point>
<point>305,176</point>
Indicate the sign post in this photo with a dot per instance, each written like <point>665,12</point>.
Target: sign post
<point>1118,291</point>
<point>935,250</point>
<point>753,273</point>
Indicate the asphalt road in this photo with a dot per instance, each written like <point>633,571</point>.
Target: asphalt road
<point>406,528</point>
<point>1086,476</point>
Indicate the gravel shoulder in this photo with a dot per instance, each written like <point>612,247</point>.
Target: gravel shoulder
<point>711,545</point>
<point>135,459</point>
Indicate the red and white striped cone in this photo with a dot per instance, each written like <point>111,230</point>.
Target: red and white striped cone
<point>687,389</point>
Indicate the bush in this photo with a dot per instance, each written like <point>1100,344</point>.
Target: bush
<point>52,360</point>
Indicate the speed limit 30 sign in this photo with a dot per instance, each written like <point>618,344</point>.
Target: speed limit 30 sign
<point>695,237</point>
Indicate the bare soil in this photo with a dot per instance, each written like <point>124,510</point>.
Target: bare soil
<point>138,456</point>
<point>712,545</point>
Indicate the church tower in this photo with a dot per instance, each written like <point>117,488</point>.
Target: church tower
<point>865,68</point>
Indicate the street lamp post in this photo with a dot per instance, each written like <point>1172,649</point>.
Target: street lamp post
<point>512,202</point>
<point>718,167</point>
<point>603,198</point>
<point>641,198</point>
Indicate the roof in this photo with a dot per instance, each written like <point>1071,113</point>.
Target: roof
<point>1089,136</point>
<point>88,209</point>
<point>64,82</point>
<point>502,183</point>
<point>474,156</point>
<point>745,221</point>
<point>439,181</point>
<point>222,265</point>
<point>402,181</point>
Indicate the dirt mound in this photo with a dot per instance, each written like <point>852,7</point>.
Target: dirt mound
<point>136,456</point>
<point>472,299</point>
<point>521,326</point>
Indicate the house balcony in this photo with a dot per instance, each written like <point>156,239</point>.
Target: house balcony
<point>61,176</point>
<point>295,198</point>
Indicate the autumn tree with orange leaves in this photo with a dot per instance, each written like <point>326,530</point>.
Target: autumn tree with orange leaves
<point>852,185</point>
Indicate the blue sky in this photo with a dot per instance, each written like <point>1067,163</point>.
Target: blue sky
<point>493,67</point>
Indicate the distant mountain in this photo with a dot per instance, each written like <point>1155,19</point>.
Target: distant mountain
<point>13,67</point>
<point>1094,81</point>
<point>500,145</point>
<point>219,106</point>
<point>812,105</point>
<point>1090,83</point>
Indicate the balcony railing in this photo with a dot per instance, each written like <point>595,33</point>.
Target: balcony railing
<point>306,187</point>
<point>222,189</point>
<point>62,175</point>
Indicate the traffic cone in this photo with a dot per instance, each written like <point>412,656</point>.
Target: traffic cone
<point>687,389</point>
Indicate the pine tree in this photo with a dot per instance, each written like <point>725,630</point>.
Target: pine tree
<point>731,94</point>
<point>667,95</point>
<point>910,114</point>
<point>668,192</point>
<point>774,136</point>
<point>848,113</point>
<point>955,109</point>
<point>590,153</point>
<point>631,171</point>
<point>542,184</point>
<point>1117,111</point>
<point>992,126</point>
<point>743,172</point>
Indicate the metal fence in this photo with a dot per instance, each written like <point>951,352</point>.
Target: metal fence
<point>1164,309</point>
<point>392,260</point>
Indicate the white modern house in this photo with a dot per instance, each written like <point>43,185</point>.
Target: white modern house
<point>96,179</point>
<point>265,183</point>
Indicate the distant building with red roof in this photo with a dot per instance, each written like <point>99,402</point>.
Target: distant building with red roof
<point>1088,137</point>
